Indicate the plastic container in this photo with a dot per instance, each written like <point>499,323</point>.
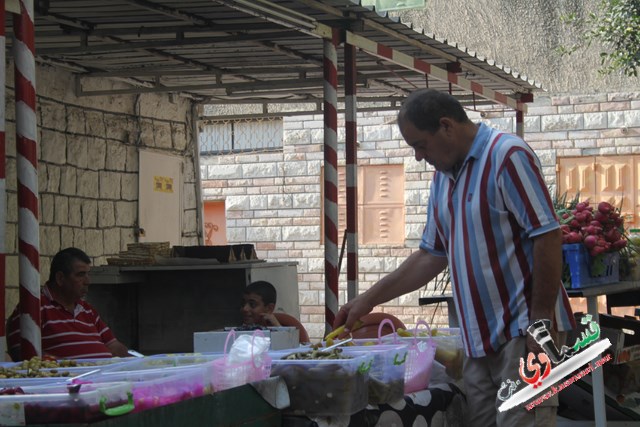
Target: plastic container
<point>324,387</point>
<point>386,376</point>
<point>49,404</point>
<point>421,353</point>
<point>165,361</point>
<point>153,388</point>
<point>582,270</point>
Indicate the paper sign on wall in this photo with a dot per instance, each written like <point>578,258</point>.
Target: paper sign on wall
<point>163,184</point>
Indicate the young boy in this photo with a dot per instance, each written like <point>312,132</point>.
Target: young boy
<point>259,301</point>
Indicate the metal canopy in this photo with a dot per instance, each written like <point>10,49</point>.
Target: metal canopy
<point>256,51</point>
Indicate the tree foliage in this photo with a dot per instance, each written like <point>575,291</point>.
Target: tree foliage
<point>616,26</point>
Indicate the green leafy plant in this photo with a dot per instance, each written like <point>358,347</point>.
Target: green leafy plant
<point>616,25</point>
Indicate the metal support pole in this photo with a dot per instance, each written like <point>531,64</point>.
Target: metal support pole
<point>330,70</point>
<point>352,169</point>
<point>27,165</point>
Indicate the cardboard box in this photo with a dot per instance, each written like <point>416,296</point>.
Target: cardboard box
<point>282,337</point>
<point>625,346</point>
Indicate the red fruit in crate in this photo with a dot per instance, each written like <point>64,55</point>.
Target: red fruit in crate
<point>592,230</point>
<point>601,217</point>
<point>565,215</point>
<point>565,229</point>
<point>581,217</point>
<point>597,250</point>
<point>590,241</point>
<point>605,207</point>
<point>612,235</point>
<point>582,206</point>
<point>575,237</point>
<point>574,224</point>
<point>616,246</point>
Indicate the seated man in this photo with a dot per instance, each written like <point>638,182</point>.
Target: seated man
<point>70,326</point>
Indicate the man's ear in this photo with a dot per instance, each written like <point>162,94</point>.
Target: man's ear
<point>270,307</point>
<point>59,278</point>
<point>446,123</point>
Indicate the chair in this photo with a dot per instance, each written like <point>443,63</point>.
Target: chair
<point>288,320</point>
<point>371,322</point>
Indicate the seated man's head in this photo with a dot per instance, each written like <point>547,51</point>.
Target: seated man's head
<point>69,275</point>
<point>259,298</point>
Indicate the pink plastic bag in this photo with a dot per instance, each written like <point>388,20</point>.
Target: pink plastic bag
<point>227,375</point>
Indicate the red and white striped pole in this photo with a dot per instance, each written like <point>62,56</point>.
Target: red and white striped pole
<point>27,164</point>
<point>351,158</point>
<point>3,180</point>
<point>330,70</point>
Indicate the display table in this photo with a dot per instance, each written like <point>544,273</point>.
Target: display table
<point>591,294</point>
<point>416,410</point>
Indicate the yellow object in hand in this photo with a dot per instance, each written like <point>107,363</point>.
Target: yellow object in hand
<point>403,332</point>
<point>340,330</point>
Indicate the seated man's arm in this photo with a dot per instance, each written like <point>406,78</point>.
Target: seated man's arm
<point>118,349</point>
<point>13,336</point>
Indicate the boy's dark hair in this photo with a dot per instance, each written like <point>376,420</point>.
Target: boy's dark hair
<point>425,107</point>
<point>63,261</point>
<point>265,289</point>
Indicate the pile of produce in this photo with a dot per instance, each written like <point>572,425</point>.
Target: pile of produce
<point>38,368</point>
<point>600,229</point>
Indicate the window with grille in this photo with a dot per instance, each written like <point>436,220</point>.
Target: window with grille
<point>240,136</point>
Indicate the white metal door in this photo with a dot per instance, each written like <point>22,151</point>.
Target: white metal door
<point>160,198</point>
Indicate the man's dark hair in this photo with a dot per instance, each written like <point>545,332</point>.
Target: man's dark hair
<point>63,261</point>
<point>265,289</point>
<point>425,107</point>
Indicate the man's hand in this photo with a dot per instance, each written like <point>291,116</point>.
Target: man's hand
<point>118,349</point>
<point>350,312</point>
<point>270,319</point>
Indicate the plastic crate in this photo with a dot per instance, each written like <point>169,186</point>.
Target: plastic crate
<point>582,270</point>
<point>52,404</point>
<point>324,387</point>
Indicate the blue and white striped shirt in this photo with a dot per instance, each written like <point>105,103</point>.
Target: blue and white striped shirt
<point>484,221</point>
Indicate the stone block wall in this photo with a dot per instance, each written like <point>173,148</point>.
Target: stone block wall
<point>88,168</point>
<point>274,199</point>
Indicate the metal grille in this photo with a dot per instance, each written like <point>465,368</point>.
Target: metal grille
<point>241,136</point>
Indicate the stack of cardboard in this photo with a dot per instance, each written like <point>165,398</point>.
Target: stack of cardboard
<point>141,253</point>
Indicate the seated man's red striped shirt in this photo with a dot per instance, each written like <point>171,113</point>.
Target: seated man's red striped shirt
<point>78,335</point>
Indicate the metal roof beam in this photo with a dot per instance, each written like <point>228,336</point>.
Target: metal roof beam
<point>400,58</point>
<point>177,42</point>
<point>416,43</point>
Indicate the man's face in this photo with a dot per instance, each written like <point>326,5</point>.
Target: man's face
<point>75,285</point>
<point>434,148</point>
<point>253,309</point>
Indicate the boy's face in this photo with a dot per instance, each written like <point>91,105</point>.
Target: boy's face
<point>253,309</point>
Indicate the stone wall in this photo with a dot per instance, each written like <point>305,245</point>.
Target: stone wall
<point>88,168</point>
<point>274,199</point>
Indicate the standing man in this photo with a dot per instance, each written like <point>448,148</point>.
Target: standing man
<point>491,219</point>
<point>71,327</point>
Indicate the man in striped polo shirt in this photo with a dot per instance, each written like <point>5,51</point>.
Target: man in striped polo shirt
<point>491,220</point>
<point>71,327</point>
